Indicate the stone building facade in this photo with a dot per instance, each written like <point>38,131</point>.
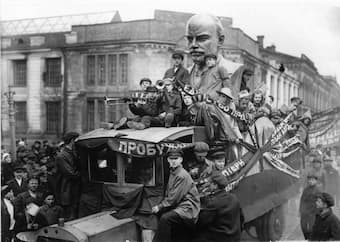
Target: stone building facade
<point>317,92</point>
<point>33,67</point>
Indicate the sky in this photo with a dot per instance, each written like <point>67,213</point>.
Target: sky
<point>295,26</point>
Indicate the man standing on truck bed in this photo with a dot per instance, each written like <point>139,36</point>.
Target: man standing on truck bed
<point>68,177</point>
<point>181,205</point>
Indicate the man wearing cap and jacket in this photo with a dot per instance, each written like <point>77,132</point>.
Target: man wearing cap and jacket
<point>220,218</point>
<point>68,177</point>
<point>201,168</point>
<point>220,125</point>
<point>178,72</point>
<point>18,184</point>
<point>180,207</point>
<point>307,208</point>
<point>327,225</point>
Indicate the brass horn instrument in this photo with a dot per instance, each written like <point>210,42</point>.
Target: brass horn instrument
<point>115,100</point>
<point>160,84</point>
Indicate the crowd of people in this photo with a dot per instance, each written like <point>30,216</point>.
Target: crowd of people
<point>33,186</point>
<point>321,192</point>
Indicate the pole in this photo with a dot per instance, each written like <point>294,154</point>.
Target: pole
<point>11,116</point>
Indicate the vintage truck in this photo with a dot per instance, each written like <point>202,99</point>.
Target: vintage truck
<point>129,173</point>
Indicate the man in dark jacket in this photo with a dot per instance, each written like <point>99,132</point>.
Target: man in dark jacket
<point>180,207</point>
<point>221,217</point>
<point>327,225</point>
<point>178,71</point>
<point>18,184</point>
<point>26,202</point>
<point>68,177</point>
<point>171,104</point>
<point>307,204</point>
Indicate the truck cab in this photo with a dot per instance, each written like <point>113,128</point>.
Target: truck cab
<point>129,169</point>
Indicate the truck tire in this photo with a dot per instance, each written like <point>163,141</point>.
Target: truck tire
<point>270,226</point>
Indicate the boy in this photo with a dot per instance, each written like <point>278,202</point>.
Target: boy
<point>49,213</point>
<point>327,225</point>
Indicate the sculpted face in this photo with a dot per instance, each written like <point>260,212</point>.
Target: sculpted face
<point>202,37</point>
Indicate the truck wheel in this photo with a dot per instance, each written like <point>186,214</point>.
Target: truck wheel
<point>270,226</point>
<point>275,224</point>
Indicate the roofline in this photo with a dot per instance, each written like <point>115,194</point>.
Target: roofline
<point>68,15</point>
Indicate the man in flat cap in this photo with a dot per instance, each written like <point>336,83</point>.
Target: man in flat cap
<point>205,35</point>
<point>327,225</point>
<point>180,207</point>
<point>18,184</point>
<point>201,168</point>
<point>220,218</point>
<point>307,204</point>
<point>144,83</point>
<point>68,177</point>
<point>178,71</point>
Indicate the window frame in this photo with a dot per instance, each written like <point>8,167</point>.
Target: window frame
<point>17,81</point>
<point>55,79</point>
<point>120,69</point>
<point>48,109</point>
<point>17,121</point>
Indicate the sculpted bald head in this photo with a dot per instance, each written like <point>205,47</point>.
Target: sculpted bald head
<point>204,33</point>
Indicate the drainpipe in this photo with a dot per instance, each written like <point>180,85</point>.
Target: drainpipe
<point>65,97</point>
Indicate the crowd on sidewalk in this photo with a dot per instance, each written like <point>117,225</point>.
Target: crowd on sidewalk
<point>30,186</point>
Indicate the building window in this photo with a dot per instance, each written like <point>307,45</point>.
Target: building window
<point>123,68</point>
<point>53,117</point>
<point>101,70</point>
<point>19,73</point>
<point>101,111</point>
<point>90,115</point>
<point>52,76</point>
<point>112,78</point>
<point>107,69</point>
<point>112,113</point>
<point>97,112</point>
<point>91,70</point>
<point>20,116</point>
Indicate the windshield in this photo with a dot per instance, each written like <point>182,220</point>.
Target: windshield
<point>108,166</point>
